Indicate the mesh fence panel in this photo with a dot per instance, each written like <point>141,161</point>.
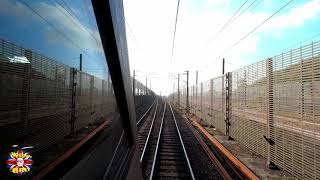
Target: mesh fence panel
<point>198,97</point>
<point>14,82</point>
<point>249,113</point>
<point>97,99</point>
<point>84,99</point>
<point>49,101</point>
<point>35,103</point>
<point>36,98</point>
<point>192,100</point>
<point>183,96</point>
<point>296,129</point>
<point>218,103</point>
<point>272,107</point>
<point>206,102</point>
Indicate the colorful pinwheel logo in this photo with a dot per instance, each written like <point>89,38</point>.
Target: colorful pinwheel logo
<point>19,162</point>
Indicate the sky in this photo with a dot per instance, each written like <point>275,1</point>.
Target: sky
<point>200,44</point>
<point>58,29</point>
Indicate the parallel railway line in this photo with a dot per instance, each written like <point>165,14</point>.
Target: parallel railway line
<point>172,149</point>
<point>170,159</point>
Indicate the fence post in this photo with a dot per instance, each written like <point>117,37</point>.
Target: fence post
<point>173,92</point>
<point>134,84</point>
<point>56,83</point>
<point>80,81</point>
<point>270,127</point>
<point>191,99</point>
<point>228,106</point>
<point>201,93</point>
<point>196,105</point>
<point>102,95</point>
<point>108,92</point>
<point>245,88</point>
<point>211,102</point>
<point>179,90</point>
<point>91,92</point>
<point>188,106</point>
<point>73,98</point>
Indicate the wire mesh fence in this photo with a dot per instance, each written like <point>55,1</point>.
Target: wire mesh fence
<point>37,95</point>
<point>140,93</point>
<point>272,107</point>
<point>218,103</point>
<point>248,123</point>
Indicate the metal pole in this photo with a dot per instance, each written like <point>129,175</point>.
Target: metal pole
<point>146,93</point>
<point>228,91</point>
<point>211,102</point>
<point>223,62</point>
<point>80,62</point>
<point>201,100</point>
<point>196,105</point>
<point>270,123</point>
<point>80,82</point>
<point>173,93</point>
<point>188,92</point>
<point>133,84</point>
<point>178,89</point>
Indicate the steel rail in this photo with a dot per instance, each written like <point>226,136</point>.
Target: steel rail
<point>235,161</point>
<point>158,142</point>
<point>147,140</point>
<point>145,113</point>
<point>182,143</point>
<point>223,172</point>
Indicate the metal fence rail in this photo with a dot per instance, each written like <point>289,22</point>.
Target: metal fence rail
<point>42,101</point>
<point>272,107</point>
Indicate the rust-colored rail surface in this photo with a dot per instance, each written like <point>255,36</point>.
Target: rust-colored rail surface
<point>243,168</point>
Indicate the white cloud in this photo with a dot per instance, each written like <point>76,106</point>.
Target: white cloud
<point>218,2</point>
<point>296,17</point>
<point>77,34</point>
<point>82,35</point>
<point>153,27</point>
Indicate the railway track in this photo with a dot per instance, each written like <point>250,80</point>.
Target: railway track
<point>145,113</point>
<point>144,125</point>
<point>172,149</point>
<point>170,160</point>
<point>148,153</point>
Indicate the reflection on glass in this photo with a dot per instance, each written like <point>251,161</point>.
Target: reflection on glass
<point>60,29</point>
<point>43,99</point>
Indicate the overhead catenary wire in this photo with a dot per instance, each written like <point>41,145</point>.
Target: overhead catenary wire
<point>251,6</point>
<point>58,30</point>
<point>262,23</point>
<point>132,35</point>
<point>74,20</point>
<point>252,3</point>
<point>70,11</point>
<point>175,29</point>
<point>50,24</point>
<point>254,29</point>
<point>256,5</point>
<point>225,25</point>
